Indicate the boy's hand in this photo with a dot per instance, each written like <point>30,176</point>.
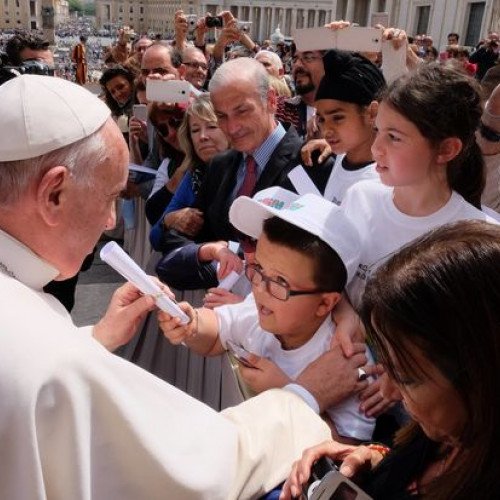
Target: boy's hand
<point>315,145</point>
<point>228,261</point>
<point>219,297</point>
<point>172,328</point>
<point>264,375</point>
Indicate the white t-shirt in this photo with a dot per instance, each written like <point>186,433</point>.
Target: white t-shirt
<point>341,179</point>
<point>239,323</point>
<point>384,229</point>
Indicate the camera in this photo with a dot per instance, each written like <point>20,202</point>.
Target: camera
<point>326,482</point>
<point>214,22</point>
<point>244,26</point>
<point>28,67</point>
<point>191,19</point>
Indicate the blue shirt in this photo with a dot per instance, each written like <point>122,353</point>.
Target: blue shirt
<point>261,156</point>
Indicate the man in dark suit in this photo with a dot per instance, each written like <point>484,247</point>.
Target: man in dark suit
<point>245,106</point>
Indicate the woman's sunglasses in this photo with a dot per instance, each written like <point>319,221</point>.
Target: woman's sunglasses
<point>488,133</point>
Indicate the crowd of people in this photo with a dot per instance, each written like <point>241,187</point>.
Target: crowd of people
<point>332,227</point>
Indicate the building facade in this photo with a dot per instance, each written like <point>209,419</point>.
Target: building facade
<point>470,18</point>
<point>28,14</point>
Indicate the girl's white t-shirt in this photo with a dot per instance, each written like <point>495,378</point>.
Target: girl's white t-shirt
<point>384,229</point>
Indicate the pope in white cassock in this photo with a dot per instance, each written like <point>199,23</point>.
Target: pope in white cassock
<point>76,421</point>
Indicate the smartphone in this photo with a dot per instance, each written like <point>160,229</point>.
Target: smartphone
<point>171,91</point>
<point>354,38</point>
<point>140,112</point>
<point>379,18</point>
<point>326,482</point>
<point>240,353</point>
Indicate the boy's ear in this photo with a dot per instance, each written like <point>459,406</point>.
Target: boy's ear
<point>448,149</point>
<point>328,301</point>
<point>371,111</point>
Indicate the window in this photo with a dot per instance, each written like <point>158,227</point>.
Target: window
<point>473,32</point>
<point>131,9</point>
<point>423,14</point>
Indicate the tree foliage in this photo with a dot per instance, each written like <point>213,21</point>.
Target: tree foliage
<point>75,5</point>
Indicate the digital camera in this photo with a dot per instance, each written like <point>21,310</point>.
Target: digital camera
<point>214,22</point>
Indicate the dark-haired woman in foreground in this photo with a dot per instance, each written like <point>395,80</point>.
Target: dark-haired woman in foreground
<point>433,313</point>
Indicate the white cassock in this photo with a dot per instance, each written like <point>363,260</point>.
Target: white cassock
<point>77,422</point>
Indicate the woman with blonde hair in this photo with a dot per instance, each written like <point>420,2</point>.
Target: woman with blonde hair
<point>200,139</point>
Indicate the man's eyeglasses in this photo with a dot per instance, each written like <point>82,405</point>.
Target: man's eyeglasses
<point>488,133</point>
<point>306,58</point>
<point>172,123</point>
<point>196,65</point>
<point>278,289</point>
<point>155,71</point>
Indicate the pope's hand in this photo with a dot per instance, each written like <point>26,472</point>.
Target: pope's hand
<point>128,307</point>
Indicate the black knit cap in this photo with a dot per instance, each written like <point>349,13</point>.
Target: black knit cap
<point>349,77</point>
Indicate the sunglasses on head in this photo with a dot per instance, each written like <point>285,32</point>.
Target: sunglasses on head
<point>488,133</point>
<point>163,128</point>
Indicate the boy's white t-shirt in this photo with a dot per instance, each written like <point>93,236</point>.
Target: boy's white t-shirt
<point>384,229</point>
<point>239,323</point>
<point>341,179</point>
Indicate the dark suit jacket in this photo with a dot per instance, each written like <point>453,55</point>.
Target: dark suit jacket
<point>179,267</point>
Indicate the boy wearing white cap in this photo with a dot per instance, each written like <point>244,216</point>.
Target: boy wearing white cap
<point>306,252</point>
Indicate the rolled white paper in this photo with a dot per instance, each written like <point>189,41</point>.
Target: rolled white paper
<point>120,261</point>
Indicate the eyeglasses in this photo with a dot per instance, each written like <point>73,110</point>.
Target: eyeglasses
<point>488,133</point>
<point>278,289</point>
<point>155,71</point>
<point>306,58</point>
<point>196,65</point>
<point>172,123</point>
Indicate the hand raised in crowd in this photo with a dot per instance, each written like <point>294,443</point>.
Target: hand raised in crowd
<point>180,29</point>
<point>137,130</point>
<point>180,23</point>
<point>128,307</point>
<point>216,297</point>
<point>354,460</point>
<point>172,328</point>
<point>315,145</point>
<point>201,29</point>
<point>338,25</point>
<point>399,39</point>
<point>263,375</point>
<point>374,401</point>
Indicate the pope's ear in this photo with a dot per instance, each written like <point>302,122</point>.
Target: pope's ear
<point>51,193</point>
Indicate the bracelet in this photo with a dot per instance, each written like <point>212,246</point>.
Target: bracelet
<point>380,448</point>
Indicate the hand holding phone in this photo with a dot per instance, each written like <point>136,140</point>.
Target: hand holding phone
<point>240,353</point>
<point>140,112</point>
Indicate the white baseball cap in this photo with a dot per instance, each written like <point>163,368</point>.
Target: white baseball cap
<point>42,113</point>
<point>310,212</point>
